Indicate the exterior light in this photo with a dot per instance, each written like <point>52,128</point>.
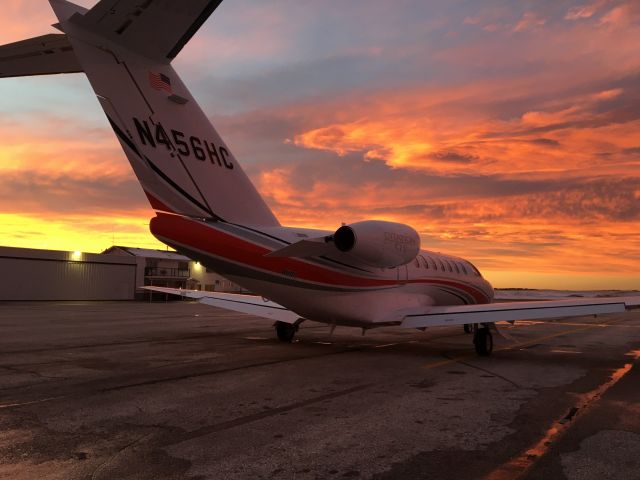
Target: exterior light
<point>76,255</point>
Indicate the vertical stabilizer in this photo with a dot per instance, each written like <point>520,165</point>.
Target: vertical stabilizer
<point>184,167</point>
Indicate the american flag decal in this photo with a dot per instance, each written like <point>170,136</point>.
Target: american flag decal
<point>158,81</point>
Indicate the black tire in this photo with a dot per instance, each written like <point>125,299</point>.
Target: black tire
<point>285,331</point>
<point>483,341</point>
<point>468,328</point>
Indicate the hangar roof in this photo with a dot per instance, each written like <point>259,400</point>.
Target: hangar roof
<point>61,255</point>
<point>148,253</point>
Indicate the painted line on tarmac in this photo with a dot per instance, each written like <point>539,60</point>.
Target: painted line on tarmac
<point>10,405</point>
<point>519,465</point>
<point>572,324</point>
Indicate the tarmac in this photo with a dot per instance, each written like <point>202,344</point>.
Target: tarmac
<point>180,390</point>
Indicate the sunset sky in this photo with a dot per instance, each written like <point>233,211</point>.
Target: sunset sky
<point>505,132</point>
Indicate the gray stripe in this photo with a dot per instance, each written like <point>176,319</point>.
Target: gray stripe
<point>271,242</point>
<point>224,267</point>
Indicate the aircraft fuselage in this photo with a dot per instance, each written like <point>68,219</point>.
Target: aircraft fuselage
<point>331,289</point>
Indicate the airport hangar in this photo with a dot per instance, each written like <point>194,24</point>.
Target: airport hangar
<point>115,274</point>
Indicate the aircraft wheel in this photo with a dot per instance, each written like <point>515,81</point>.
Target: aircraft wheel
<point>483,341</point>
<point>468,327</point>
<point>285,331</point>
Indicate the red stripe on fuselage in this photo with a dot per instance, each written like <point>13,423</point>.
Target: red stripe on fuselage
<point>157,204</point>
<point>215,242</point>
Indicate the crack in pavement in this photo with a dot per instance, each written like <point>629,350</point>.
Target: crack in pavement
<point>226,425</point>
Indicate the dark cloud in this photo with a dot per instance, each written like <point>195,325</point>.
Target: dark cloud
<point>453,156</point>
<point>431,211</point>
<point>593,200</point>
<point>545,142</point>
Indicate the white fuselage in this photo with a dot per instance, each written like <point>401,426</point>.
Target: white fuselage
<point>331,289</point>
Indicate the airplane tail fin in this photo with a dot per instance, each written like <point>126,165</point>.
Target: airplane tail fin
<point>125,48</point>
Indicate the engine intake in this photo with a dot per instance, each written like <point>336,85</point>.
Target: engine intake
<point>378,243</point>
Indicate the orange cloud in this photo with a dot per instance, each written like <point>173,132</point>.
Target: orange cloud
<point>583,147</point>
<point>566,136</point>
<point>61,145</point>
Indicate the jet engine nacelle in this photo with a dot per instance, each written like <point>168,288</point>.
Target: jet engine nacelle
<point>378,243</point>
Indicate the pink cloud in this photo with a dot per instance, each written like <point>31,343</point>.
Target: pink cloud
<point>625,14</point>
<point>584,11</point>
<point>529,21</point>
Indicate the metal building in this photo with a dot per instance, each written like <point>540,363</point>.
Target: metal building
<point>166,268</point>
<point>29,274</point>
<point>116,274</point>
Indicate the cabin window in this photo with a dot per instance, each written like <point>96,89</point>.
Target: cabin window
<point>475,271</point>
<point>449,266</point>
<point>455,265</point>
<point>442,267</point>
<point>417,262</point>
<point>424,262</point>
<point>464,270</point>
<point>432,263</point>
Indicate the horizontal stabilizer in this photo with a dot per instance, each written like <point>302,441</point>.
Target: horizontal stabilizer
<point>314,247</point>
<point>44,55</point>
<point>251,304</point>
<point>156,29</point>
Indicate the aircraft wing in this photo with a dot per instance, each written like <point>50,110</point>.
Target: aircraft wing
<point>158,29</point>
<point>510,311</point>
<point>251,304</point>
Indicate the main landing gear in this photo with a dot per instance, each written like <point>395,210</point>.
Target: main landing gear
<point>286,331</point>
<point>482,339</point>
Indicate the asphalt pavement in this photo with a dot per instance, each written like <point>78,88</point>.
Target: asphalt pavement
<point>179,390</point>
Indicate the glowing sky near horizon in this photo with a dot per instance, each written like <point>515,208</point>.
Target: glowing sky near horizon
<point>507,133</point>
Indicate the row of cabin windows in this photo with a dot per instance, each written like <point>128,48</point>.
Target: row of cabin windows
<point>445,265</point>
